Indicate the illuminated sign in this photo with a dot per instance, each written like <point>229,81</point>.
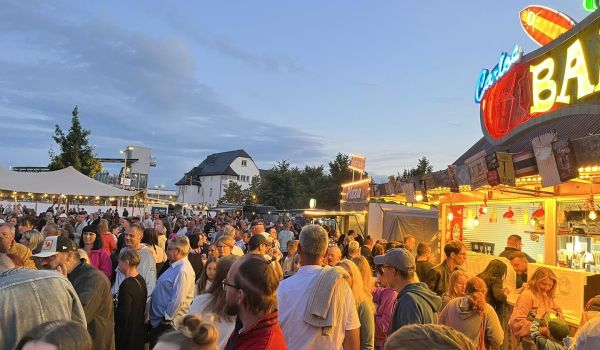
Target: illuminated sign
<point>590,5</point>
<point>357,163</point>
<point>546,83</point>
<point>488,78</point>
<point>543,24</point>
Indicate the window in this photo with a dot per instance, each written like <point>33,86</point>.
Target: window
<point>210,193</point>
<point>244,163</point>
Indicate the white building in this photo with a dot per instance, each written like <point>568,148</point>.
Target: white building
<point>206,183</point>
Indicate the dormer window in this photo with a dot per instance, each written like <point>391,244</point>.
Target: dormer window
<point>244,163</point>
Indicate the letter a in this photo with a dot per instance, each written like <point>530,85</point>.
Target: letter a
<point>575,68</point>
<point>541,83</point>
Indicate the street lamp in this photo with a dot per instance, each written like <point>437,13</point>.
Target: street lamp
<point>124,151</point>
<point>159,187</point>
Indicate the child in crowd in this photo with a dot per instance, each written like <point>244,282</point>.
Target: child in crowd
<point>554,336</point>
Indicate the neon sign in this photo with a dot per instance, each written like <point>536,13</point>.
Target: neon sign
<point>545,84</point>
<point>590,5</point>
<point>543,24</point>
<point>487,78</point>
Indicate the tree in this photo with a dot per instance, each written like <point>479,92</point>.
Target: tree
<point>422,168</point>
<point>75,149</point>
<point>277,187</point>
<point>233,194</point>
<point>338,169</point>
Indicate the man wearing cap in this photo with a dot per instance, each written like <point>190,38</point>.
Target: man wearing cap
<point>415,302</point>
<point>8,245</point>
<point>258,228</point>
<point>92,287</point>
<point>29,298</point>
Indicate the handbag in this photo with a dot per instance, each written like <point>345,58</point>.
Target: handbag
<point>482,332</point>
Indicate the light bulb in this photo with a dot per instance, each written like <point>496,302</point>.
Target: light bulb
<point>419,197</point>
<point>484,210</point>
<point>450,216</point>
<point>533,222</point>
<point>476,222</point>
<point>592,215</point>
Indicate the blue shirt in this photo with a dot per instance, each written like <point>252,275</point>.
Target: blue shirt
<point>284,236</point>
<point>173,293</point>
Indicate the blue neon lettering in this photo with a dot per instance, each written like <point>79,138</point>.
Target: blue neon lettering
<point>487,78</point>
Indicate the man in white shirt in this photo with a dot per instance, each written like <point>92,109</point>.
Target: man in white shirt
<point>293,295</point>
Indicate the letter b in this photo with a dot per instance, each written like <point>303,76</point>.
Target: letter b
<point>543,87</point>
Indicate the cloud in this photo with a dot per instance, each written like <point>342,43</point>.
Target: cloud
<point>131,88</point>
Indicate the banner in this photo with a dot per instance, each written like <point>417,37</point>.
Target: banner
<point>390,186</point>
<point>452,182</point>
<point>356,192</point>
<point>429,180</point>
<point>542,148</point>
<point>477,170</point>
<point>506,169</point>
<point>493,178</point>
<point>525,164</point>
<point>409,191</point>
<point>423,187</point>
<point>357,163</point>
<point>564,155</point>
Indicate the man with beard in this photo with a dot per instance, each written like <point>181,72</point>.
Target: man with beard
<point>251,294</point>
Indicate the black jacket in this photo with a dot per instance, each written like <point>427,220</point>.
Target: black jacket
<point>93,289</point>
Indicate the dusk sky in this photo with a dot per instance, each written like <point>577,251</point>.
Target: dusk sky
<point>300,81</point>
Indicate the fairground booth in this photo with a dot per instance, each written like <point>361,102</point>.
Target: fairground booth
<point>536,170</point>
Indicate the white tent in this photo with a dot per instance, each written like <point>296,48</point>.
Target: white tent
<point>67,181</point>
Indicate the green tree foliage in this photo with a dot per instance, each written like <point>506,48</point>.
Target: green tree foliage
<point>75,149</point>
<point>422,168</point>
<point>233,194</point>
<point>287,187</point>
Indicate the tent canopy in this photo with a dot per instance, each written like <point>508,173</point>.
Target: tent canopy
<point>67,181</point>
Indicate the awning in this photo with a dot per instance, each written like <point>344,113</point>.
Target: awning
<point>66,181</point>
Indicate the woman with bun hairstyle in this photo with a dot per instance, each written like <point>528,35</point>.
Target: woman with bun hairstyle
<point>536,301</point>
<point>473,316</point>
<point>192,333</point>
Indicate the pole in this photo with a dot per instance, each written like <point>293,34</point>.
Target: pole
<point>124,170</point>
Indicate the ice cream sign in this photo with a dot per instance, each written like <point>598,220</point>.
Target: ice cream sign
<point>547,83</point>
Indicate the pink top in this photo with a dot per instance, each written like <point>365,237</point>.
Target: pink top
<point>100,260</point>
<point>518,323</point>
<point>384,299</point>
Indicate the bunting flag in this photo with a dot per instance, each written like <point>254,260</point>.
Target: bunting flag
<point>493,178</point>
<point>564,155</point>
<point>408,188</point>
<point>506,169</point>
<point>452,181</point>
<point>525,163</point>
<point>477,170</point>
<point>542,148</point>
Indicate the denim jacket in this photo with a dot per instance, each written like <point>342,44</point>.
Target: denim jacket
<point>31,297</point>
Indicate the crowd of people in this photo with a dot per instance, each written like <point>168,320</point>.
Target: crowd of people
<point>77,280</point>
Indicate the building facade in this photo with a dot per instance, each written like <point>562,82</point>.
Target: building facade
<point>207,182</point>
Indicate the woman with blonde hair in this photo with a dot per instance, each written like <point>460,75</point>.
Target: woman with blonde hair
<point>365,271</point>
<point>33,240</point>
<point>536,301</point>
<point>193,332</point>
<point>473,316</point>
<point>364,305</point>
<point>456,286</point>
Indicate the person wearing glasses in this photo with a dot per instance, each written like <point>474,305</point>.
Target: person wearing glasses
<point>437,278</point>
<point>416,303</point>
<point>174,290</point>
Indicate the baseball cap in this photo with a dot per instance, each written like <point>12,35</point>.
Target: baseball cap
<point>56,244</point>
<point>63,215</point>
<point>398,258</point>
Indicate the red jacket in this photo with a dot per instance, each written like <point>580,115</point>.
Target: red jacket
<point>265,334</point>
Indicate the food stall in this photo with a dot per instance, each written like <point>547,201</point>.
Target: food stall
<point>536,170</point>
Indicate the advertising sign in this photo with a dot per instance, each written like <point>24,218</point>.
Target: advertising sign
<point>546,84</point>
<point>477,170</point>
<point>357,163</point>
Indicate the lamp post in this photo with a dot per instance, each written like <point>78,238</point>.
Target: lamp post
<point>159,187</point>
<point>124,151</point>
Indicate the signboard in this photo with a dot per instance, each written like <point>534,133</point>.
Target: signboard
<point>452,182</point>
<point>356,192</point>
<point>542,148</point>
<point>506,168</point>
<point>357,163</point>
<point>409,191</point>
<point>548,83</point>
<point>477,170</point>
<point>564,155</point>
<point>543,24</point>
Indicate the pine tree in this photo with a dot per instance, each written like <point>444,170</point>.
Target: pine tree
<point>75,149</point>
